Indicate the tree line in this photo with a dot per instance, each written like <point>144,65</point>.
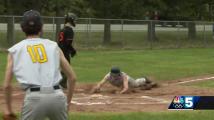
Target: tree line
<point>183,10</point>
<point>121,9</point>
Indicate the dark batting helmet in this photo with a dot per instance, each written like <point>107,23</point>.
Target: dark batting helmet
<point>32,22</point>
<point>71,18</point>
<point>115,70</point>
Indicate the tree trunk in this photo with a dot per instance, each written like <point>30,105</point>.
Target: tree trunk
<point>191,31</point>
<point>107,24</point>
<point>10,24</point>
<point>107,32</point>
<point>58,27</point>
<point>10,31</point>
<point>37,5</point>
<point>58,20</point>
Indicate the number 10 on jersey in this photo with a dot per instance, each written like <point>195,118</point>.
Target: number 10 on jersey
<point>37,53</point>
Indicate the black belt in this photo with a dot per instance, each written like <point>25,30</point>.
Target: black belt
<point>36,89</point>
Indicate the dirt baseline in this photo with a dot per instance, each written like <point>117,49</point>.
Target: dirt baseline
<point>156,99</point>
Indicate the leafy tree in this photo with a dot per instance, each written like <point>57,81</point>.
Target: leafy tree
<point>2,6</point>
<point>121,9</point>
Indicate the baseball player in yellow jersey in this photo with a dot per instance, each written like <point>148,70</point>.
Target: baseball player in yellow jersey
<point>36,63</point>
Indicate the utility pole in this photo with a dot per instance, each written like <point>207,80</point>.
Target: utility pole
<point>10,23</point>
<point>212,17</point>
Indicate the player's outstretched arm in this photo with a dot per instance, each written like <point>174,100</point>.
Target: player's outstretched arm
<point>8,86</point>
<point>71,76</point>
<point>125,85</point>
<point>99,85</point>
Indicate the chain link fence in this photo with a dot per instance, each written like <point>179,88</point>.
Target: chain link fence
<point>92,33</point>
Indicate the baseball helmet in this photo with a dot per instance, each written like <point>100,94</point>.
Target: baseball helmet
<point>32,22</point>
<point>115,70</point>
<point>71,18</point>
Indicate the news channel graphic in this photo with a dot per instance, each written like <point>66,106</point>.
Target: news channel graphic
<point>192,103</point>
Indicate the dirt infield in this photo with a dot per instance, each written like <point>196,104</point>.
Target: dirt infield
<point>156,99</point>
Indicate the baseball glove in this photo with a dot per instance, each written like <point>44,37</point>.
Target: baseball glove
<point>9,117</point>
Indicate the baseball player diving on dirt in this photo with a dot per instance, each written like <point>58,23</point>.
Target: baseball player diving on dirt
<point>121,80</point>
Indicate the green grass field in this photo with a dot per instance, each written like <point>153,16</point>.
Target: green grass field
<point>162,65</point>
<point>171,115</point>
<point>205,84</point>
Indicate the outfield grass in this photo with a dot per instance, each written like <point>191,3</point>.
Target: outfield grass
<point>176,115</point>
<point>205,84</point>
<point>3,59</point>
<point>173,115</point>
<point>168,64</point>
<point>162,65</point>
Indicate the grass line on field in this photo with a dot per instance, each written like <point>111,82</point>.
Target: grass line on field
<point>160,65</point>
<point>171,115</point>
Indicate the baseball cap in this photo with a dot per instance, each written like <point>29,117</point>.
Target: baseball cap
<point>31,18</point>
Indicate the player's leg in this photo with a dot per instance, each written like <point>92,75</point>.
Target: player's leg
<point>146,87</point>
<point>58,111</point>
<point>151,83</point>
<point>140,83</point>
<point>30,109</point>
<point>143,83</point>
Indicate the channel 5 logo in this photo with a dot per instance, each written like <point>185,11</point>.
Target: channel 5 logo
<point>182,102</point>
<point>189,102</point>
